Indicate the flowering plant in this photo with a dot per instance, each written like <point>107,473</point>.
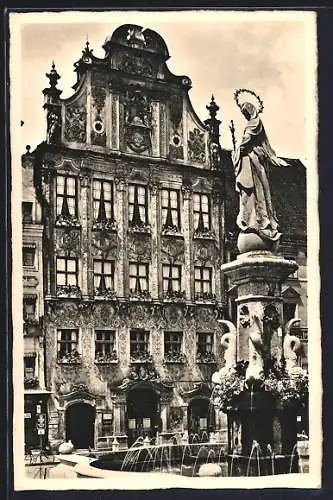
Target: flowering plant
<point>105,225</point>
<point>140,294</point>
<point>204,233</point>
<point>230,385</point>
<point>68,291</point>
<point>67,221</point>
<point>31,382</point>
<point>205,296</point>
<point>174,357</point>
<point>108,293</point>
<point>170,229</point>
<point>71,358</point>
<point>289,388</point>
<point>175,295</point>
<point>205,357</point>
<point>109,357</point>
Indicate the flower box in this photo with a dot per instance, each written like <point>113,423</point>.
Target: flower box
<point>204,234</point>
<point>205,358</point>
<point>107,225</point>
<point>107,294</point>
<point>31,382</point>
<point>72,358</point>
<point>174,358</point>
<point>68,291</point>
<point>174,296</point>
<point>139,228</point>
<point>141,358</point>
<point>139,295</point>
<point>105,359</point>
<point>67,221</point>
<point>171,231</point>
<point>205,297</point>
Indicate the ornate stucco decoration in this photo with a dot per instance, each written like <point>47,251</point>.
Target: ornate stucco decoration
<point>139,247</point>
<point>75,123</point>
<point>98,134</point>
<point>172,249</point>
<point>138,120</point>
<point>105,244</point>
<point>137,64</point>
<point>67,241</point>
<point>196,146</point>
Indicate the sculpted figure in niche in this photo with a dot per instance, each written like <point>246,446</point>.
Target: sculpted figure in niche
<point>253,159</point>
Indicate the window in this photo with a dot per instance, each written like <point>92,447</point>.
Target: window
<point>103,275</point>
<point>173,347</point>
<point>27,212</point>
<point>29,308</point>
<point>138,277</point>
<point>202,282</point>
<point>28,256</point>
<point>170,209</point>
<point>139,345</point>
<point>67,346</point>
<point>66,271</point>
<point>205,347</point>
<point>171,278</point>
<point>103,200</point>
<point>138,206</point>
<point>201,208</point>
<point>289,311</point>
<point>66,196</point>
<point>105,346</point>
<point>29,366</point>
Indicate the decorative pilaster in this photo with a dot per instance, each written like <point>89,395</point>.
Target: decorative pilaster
<point>85,216</point>
<point>155,139</point>
<point>155,238</point>
<point>187,225</point>
<point>121,216</point>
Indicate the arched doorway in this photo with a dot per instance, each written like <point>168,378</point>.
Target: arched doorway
<point>143,413</point>
<point>200,418</point>
<point>80,425</point>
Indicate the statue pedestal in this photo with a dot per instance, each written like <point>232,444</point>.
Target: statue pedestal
<point>257,424</point>
<point>258,276</point>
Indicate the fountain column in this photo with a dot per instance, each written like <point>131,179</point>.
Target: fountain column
<point>258,276</point>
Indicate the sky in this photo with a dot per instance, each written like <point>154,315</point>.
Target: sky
<point>269,53</point>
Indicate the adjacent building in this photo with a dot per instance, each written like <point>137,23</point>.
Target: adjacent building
<point>35,394</point>
<point>132,199</point>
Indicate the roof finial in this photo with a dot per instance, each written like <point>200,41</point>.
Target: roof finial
<point>212,107</point>
<point>53,76</point>
<point>87,51</point>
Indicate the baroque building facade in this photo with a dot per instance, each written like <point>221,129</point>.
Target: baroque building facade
<point>132,188</point>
